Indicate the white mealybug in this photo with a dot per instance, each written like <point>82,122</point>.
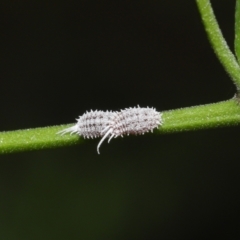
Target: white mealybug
<point>90,124</point>
<point>133,121</point>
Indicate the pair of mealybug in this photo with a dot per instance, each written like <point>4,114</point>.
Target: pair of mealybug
<point>110,124</point>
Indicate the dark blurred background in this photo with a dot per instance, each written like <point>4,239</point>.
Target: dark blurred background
<point>61,58</point>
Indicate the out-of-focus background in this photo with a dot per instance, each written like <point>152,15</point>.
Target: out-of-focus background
<point>61,58</point>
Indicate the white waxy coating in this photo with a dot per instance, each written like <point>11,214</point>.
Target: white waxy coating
<point>133,121</point>
<point>107,124</point>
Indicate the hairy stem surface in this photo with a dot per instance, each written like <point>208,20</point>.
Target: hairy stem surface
<point>208,116</point>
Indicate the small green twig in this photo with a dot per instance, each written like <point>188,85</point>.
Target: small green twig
<point>237,30</point>
<point>186,119</point>
<point>35,139</point>
<point>221,114</point>
<point>218,42</point>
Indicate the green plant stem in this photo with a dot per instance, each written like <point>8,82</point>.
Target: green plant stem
<point>218,42</point>
<point>208,116</point>
<point>35,139</point>
<point>237,30</point>
<point>221,114</point>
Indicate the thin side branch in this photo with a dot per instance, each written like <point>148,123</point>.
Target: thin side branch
<point>218,42</point>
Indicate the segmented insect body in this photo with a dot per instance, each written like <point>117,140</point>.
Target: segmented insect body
<point>133,121</point>
<point>90,124</point>
<point>113,124</point>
